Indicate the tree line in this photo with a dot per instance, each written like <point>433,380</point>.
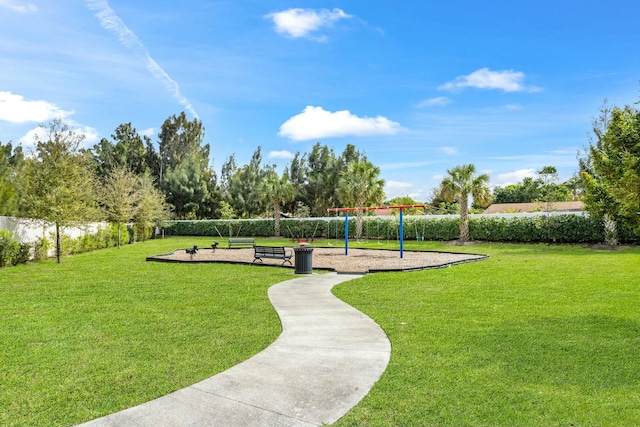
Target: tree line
<point>128,177</point>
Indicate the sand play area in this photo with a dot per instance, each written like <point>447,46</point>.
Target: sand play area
<point>357,261</point>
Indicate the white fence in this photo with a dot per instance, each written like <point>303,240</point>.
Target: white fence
<point>30,231</point>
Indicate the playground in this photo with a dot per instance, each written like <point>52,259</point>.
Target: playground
<point>333,259</point>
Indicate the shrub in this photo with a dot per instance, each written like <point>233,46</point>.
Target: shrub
<point>552,229</point>
<point>22,255</point>
<point>41,249</point>
<point>9,247</point>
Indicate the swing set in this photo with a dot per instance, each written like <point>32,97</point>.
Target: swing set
<point>346,211</point>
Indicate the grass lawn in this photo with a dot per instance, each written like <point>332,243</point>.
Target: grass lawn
<point>535,336</point>
<point>107,330</point>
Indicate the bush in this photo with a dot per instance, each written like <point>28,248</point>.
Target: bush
<point>22,255</point>
<point>41,249</point>
<point>9,247</point>
<point>552,229</point>
<point>103,238</point>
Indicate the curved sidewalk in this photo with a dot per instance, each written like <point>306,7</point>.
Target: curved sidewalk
<point>326,360</point>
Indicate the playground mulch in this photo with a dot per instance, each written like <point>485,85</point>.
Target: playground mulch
<point>333,259</point>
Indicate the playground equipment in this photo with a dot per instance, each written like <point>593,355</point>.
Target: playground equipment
<point>346,222</point>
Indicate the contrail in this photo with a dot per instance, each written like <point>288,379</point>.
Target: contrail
<point>111,21</point>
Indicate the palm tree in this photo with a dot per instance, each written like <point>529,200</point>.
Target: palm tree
<point>360,185</point>
<point>278,192</point>
<point>460,183</point>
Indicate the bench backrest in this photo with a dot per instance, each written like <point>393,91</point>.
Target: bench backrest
<point>241,240</point>
<point>269,249</point>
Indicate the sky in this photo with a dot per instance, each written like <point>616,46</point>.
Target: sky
<point>419,86</point>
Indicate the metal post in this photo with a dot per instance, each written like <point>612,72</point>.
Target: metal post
<point>346,232</point>
<point>401,235</point>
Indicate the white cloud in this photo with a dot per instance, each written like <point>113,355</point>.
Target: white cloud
<point>283,154</point>
<point>110,21</point>
<point>437,177</point>
<point>449,150</point>
<point>15,109</point>
<point>299,22</point>
<point>395,189</point>
<point>17,6</point>
<point>149,132</point>
<point>514,177</point>
<point>29,139</point>
<point>566,150</point>
<point>317,123</point>
<point>91,136</point>
<point>432,102</point>
<point>506,80</point>
<point>397,185</point>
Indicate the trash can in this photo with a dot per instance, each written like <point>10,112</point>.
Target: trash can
<point>303,260</point>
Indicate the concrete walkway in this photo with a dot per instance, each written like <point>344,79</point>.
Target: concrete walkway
<point>326,360</point>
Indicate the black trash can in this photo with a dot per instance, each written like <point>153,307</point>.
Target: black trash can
<point>303,260</point>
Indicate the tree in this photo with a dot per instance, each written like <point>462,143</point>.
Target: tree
<point>119,196</point>
<point>11,162</point>
<point>182,169</point>
<point>276,191</point>
<point>189,187</point>
<point>180,139</point>
<point>611,169</point>
<point>438,204</point>
<point>322,179</point>
<point>406,201</point>
<point>316,175</point>
<point>575,186</point>
<point>297,173</point>
<point>541,189</point>
<point>243,186</point>
<point>152,207</point>
<point>152,159</point>
<point>127,149</point>
<point>226,211</point>
<point>460,182</point>
<point>58,185</point>
<point>360,186</point>
<point>550,192</point>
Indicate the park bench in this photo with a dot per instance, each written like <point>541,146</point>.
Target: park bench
<point>273,252</point>
<point>241,242</point>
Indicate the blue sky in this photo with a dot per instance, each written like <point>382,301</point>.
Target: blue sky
<point>420,86</point>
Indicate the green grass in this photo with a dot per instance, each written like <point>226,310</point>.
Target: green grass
<point>107,330</point>
<point>534,336</point>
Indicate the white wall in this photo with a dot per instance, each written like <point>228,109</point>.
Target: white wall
<point>29,231</point>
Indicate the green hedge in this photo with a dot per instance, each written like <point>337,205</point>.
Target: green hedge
<point>553,229</point>
<point>567,228</point>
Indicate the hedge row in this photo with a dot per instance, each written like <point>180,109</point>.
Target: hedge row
<point>555,229</point>
<point>14,253</point>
